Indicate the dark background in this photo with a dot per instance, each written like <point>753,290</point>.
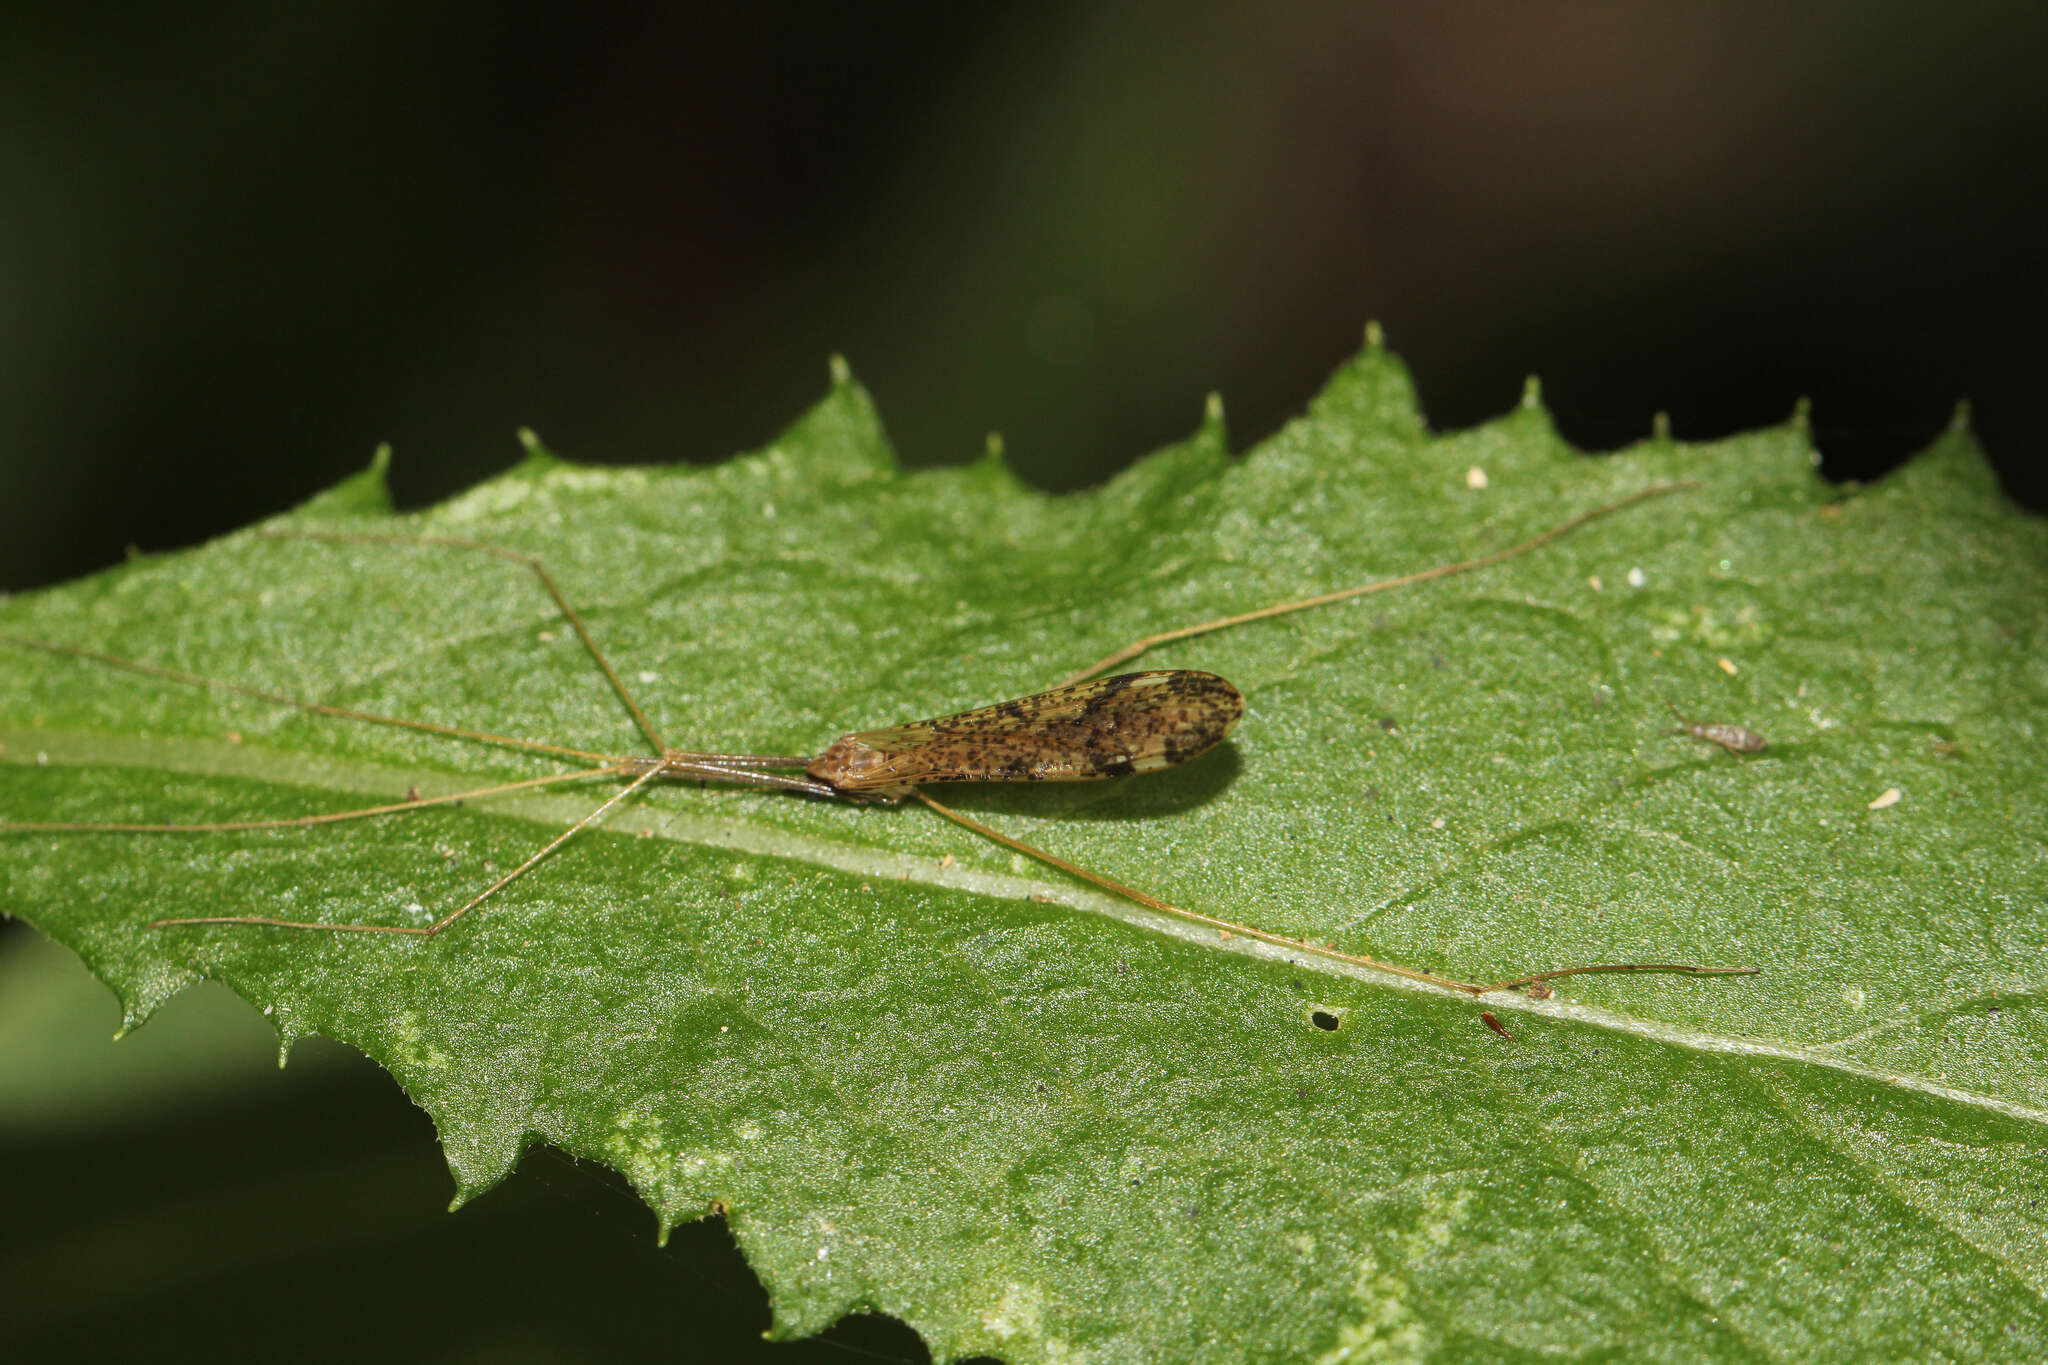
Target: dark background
<point>242,244</point>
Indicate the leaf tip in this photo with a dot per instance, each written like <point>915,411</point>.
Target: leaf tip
<point>841,438</point>
<point>1213,426</point>
<point>466,1189</point>
<point>1373,388</point>
<point>365,493</point>
<point>134,1014</point>
<point>537,453</point>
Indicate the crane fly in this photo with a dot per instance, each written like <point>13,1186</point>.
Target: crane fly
<point>1086,728</point>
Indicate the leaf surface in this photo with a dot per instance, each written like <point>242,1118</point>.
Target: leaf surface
<point>924,1077</point>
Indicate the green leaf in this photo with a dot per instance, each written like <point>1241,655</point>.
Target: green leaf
<point>924,1077</point>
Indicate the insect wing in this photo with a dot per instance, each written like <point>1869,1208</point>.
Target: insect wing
<point>1107,727</point>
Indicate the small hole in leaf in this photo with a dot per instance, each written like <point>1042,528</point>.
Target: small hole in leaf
<point>1324,1020</point>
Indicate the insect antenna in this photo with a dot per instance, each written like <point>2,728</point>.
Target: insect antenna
<point>1139,646</point>
<point>302,821</point>
<point>317,708</point>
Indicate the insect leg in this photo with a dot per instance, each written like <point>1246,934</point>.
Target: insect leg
<point>1680,968</point>
<point>1139,646</point>
<point>453,915</point>
<point>1302,945</point>
<point>1194,916</point>
<point>515,557</point>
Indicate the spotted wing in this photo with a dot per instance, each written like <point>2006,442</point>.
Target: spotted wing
<point>1107,727</point>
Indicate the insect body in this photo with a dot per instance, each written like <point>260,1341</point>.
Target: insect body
<point>1086,728</point>
<point>1080,732</point>
<point>1734,738</point>
<point>1109,727</point>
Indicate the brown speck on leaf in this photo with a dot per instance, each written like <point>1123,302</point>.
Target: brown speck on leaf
<point>1041,898</point>
<point>946,861</point>
<point>1541,991</point>
<point>1946,748</point>
<point>1736,739</point>
<point>412,793</point>
<point>1832,511</point>
<point>1487,1018</point>
<point>1389,724</point>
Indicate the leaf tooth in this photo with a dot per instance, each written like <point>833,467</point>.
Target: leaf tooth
<point>1214,430</point>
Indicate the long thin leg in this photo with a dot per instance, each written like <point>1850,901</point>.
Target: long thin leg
<point>1139,646</point>
<point>1302,945</point>
<point>456,543</point>
<point>302,821</point>
<point>318,708</point>
<point>1622,967</point>
<point>453,915</point>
